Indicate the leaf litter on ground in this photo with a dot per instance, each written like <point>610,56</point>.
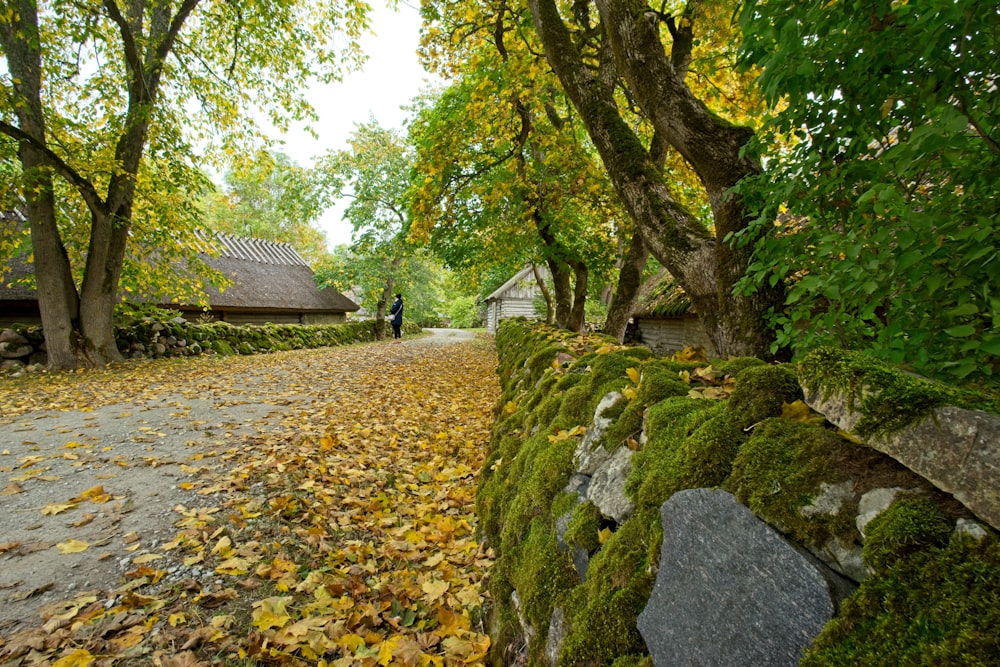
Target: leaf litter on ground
<point>347,535</point>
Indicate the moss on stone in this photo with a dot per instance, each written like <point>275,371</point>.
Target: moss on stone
<point>584,527</point>
<point>705,458</point>
<point>887,398</point>
<point>602,612</point>
<point>941,606</point>
<point>780,469</point>
<point>541,574</point>
<point>575,409</point>
<point>762,390</point>
<point>734,367</point>
<point>911,524</point>
<point>668,424</point>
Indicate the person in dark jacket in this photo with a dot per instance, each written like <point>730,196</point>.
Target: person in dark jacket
<point>397,317</point>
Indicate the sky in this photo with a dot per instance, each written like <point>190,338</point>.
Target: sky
<point>390,78</point>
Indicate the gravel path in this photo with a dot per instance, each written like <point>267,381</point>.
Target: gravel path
<point>114,474</point>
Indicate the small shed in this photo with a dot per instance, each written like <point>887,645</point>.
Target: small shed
<point>271,283</point>
<point>515,298</point>
<point>666,322</point>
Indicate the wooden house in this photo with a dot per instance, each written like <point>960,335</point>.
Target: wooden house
<point>271,283</point>
<point>665,320</point>
<point>518,297</point>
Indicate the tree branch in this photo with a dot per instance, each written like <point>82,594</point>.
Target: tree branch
<point>85,187</point>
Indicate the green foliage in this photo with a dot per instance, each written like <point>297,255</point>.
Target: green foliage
<point>887,202</point>
<point>463,312</point>
<point>270,197</point>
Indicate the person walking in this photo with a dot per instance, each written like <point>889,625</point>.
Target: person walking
<point>397,317</point>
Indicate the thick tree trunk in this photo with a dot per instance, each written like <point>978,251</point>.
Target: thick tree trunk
<point>563,292</point>
<point>704,268</point>
<point>627,292</point>
<point>99,292</point>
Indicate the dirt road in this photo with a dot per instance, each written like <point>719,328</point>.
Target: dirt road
<point>96,470</point>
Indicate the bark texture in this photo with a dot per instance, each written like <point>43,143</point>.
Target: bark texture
<point>705,268</point>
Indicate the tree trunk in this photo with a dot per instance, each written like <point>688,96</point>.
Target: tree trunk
<point>672,234</point>
<point>550,311</point>
<point>578,313</point>
<point>627,292</point>
<point>380,308</point>
<point>563,292</point>
<point>58,300</point>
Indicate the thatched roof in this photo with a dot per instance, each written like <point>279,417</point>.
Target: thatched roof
<point>661,296</point>
<point>267,276</point>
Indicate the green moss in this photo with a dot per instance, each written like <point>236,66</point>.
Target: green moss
<point>611,366</point>
<point>892,399</point>
<point>575,409</point>
<point>564,503</point>
<point>602,612</point>
<point>941,606</point>
<point>542,573</point>
<point>538,472</point>
<point>735,366</point>
<point>222,347</point>
<point>911,524</point>
<point>633,661</point>
<point>761,391</point>
<point>584,526</point>
<point>705,458</point>
<point>668,424</point>
<point>779,470</point>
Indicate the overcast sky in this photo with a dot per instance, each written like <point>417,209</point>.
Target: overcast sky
<point>391,77</point>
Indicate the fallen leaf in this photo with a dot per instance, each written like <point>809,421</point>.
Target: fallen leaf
<point>72,546</point>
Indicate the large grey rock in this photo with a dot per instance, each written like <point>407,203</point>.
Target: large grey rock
<point>729,590</point>
<point>607,487</point>
<point>872,504</point>
<point>11,336</point>
<point>957,450</point>
<point>590,454</point>
<point>14,350</point>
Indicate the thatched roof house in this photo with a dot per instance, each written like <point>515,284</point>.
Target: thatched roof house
<point>271,283</point>
<point>665,320</point>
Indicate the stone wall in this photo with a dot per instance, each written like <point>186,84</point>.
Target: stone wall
<point>645,511</point>
<point>22,347</point>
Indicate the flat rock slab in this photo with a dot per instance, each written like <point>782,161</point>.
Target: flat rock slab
<point>730,591</point>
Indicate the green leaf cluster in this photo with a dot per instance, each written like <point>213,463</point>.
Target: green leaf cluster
<point>881,215</point>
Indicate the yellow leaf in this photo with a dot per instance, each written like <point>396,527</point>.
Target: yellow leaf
<point>386,649</point>
<point>434,589</point>
<point>57,508</point>
<point>72,546</point>
<point>801,412</point>
<point>271,613</point>
<point>177,619</point>
<point>633,374</point>
<point>79,658</point>
<point>603,534</point>
<point>630,393</point>
<point>351,642</point>
<point>146,558</point>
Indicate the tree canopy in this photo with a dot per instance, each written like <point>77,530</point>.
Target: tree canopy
<point>109,97</point>
<point>887,202</point>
